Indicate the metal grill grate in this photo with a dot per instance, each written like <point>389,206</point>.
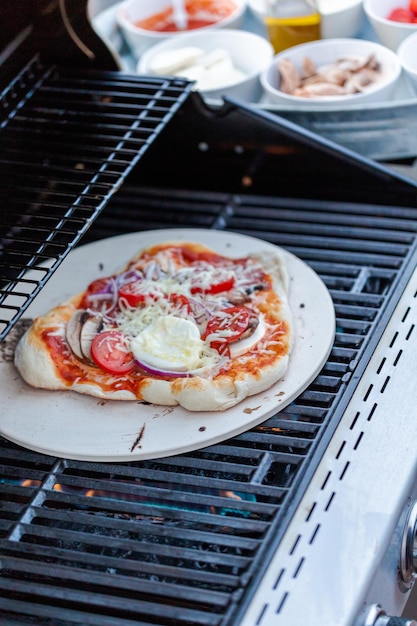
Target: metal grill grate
<point>68,140</point>
<point>181,540</point>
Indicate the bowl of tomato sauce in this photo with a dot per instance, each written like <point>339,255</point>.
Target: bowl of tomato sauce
<point>148,22</point>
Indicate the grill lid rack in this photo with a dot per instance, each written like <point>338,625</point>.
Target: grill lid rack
<point>68,141</point>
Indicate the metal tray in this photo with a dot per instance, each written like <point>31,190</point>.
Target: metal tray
<point>383,131</point>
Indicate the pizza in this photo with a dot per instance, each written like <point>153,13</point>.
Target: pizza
<point>180,325</point>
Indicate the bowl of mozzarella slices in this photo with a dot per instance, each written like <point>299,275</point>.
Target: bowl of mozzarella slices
<point>223,62</point>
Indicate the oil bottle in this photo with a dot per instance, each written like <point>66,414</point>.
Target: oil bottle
<point>291,22</point>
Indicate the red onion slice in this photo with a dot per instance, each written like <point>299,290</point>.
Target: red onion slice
<point>159,372</point>
<point>172,373</point>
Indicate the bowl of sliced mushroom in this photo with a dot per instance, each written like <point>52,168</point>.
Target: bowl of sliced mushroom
<point>332,73</point>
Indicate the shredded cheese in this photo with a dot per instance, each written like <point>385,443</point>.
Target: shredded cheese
<point>161,280</point>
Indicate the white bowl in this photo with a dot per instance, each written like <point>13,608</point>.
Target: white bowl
<point>339,18</point>
<point>388,32</point>
<point>249,53</point>
<point>407,53</point>
<point>324,52</point>
<point>140,39</point>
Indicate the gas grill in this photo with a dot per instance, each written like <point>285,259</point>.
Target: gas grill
<point>310,517</point>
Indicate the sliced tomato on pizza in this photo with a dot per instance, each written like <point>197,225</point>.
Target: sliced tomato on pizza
<point>111,352</point>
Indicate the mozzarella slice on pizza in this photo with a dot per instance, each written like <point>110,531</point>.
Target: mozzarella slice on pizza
<point>180,325</point>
